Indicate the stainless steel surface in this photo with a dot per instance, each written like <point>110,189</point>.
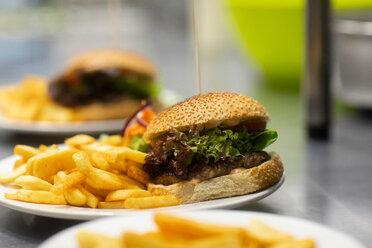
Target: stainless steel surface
<point>317,68</point>
<point>353,38</point>
<point>327,182</point>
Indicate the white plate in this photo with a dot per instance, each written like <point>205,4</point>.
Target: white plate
<point>79,213</point>
<point>323,236</point>
<point>167,98</point>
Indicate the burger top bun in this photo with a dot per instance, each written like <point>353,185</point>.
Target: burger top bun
<point>111,58</point>
<point>207,110</point>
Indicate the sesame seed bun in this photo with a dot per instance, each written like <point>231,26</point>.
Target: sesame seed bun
<point>111,58</point>
<point>207,110</point>
<point>241,183</point>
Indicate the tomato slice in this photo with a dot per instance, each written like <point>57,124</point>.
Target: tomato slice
<point>251,126</point>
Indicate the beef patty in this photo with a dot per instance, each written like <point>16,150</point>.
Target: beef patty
<point>204,170</point>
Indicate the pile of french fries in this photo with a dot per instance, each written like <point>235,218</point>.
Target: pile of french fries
<point>30,101</point>
<point>89,173</point>
<point>176,232</point>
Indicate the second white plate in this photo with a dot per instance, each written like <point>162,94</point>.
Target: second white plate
<point>323,236</point>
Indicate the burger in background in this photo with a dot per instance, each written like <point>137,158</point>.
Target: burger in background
<point>105,84</point>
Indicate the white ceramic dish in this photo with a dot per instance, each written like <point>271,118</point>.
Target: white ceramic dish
<point>79,213</point>
<point>167,98</point>
<point>323,236</point>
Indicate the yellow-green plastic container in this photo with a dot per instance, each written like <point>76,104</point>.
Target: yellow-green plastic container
<point>272,32</point>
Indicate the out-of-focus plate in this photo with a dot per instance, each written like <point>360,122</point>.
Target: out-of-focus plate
<point>80,213</point>
<point>324,237</point>
<point>167,98</point>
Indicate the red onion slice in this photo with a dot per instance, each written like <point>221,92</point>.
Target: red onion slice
<point>148,103</point>
<point>141,122</point>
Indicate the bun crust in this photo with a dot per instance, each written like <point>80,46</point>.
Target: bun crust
<point>113,58</point>
<point>245,182</point>
<point>106,111</point>
<point>209,110</point>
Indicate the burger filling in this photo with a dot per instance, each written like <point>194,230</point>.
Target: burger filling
<point>80,88</point>
<point>179,156</point>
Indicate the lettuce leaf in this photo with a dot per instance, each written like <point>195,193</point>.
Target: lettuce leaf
<point>139,144</point>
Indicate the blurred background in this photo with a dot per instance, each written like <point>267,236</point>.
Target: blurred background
<point>250,47</point>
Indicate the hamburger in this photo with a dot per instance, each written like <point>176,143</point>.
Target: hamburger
<point>211,146</point>
<point>105,84</point>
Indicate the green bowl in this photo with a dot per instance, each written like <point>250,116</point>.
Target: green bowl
<point>272,33</point>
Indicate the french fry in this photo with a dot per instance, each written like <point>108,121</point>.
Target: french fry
<point>100,162</point>
<point>113,140</point>
<point>97,192</point>
<point>33,196</point>
<point>59,176</point>
<point>130,163</point>
<point>136,156</point>
<point>112,205</point>
<point>120,195</point>
<point>18,163</point>
<point>95,240</point>
<point>173,226</point>
<point>302,243</point>
<point>92,200</point>
<point>10,176</point>
<point>26,152</point>
<point>74,196</point>
<point>44,148</point>
<point>32,183</point>
<point>151,202</point>
<point>105,180</point>
<point>79,140</point>
<point>138,174</point>
<point>114,154</point>
<point>265,234</point>
<point>72,179</point>
<point>149,240</point>
<point>82,162</point>
<point>49,163</point>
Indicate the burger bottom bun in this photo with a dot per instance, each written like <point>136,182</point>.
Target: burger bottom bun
<point>122,108</point>
<point>241,183</point>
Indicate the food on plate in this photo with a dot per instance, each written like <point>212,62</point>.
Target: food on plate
<point>96,85</point>
<point>89,173</point>
<point>211,146</point>
<point>105,84</point>
<point>29,100</point>
<point>178,232</point>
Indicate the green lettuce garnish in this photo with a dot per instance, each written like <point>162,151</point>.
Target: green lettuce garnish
<point>139,144</point>
<point>219,143</point>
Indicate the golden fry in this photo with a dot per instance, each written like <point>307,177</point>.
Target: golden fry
<point>18,163</point>
<point>32,183</point>
<point>151,202</point>
<point>100,162</point>
<point>120,195</point>
<point>173,226</point>
<point>82,162</point>
<point>113,140</point>
<point>138,174</point>
<point>265,234</point>
<point>10,176</point>
<point>112,205</point>
<point>74,196</point>
<point>96,240</point>
<point>301,243</point>
<point>92,200</point>
<point>26,152</point>
<point>33,196</point>
<point>49,163</point>
<point>79,140</point>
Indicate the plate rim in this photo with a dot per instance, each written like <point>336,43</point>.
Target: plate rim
<point>59,211</point>
<point>188,214</point>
